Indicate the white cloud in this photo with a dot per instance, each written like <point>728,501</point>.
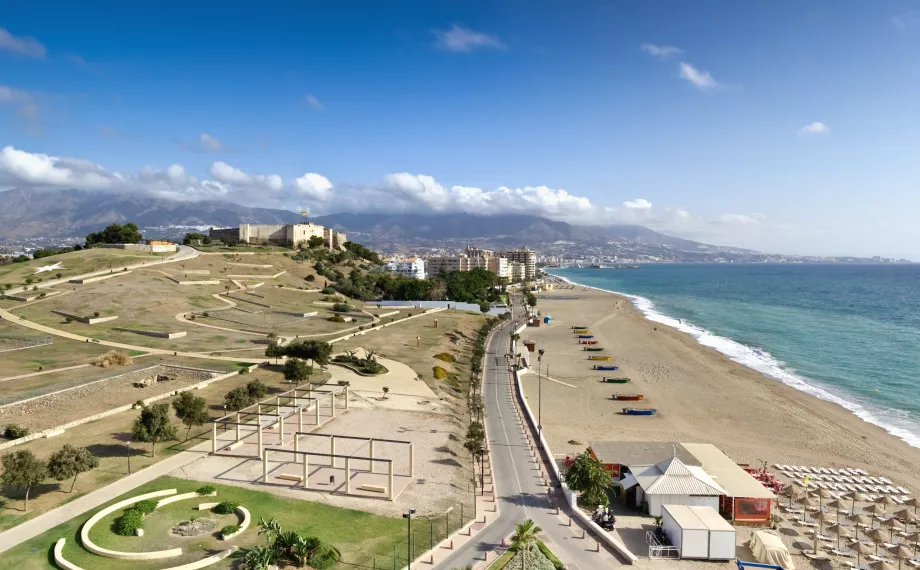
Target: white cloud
<point>816,128</point>
<point>223,172</point>
<point>313,186</point>
<point>661,52</point>
<point>458,39</point>
<point>209,143</point>
<point>21,45</point>
<point>637,204</point>
<point>314,102</point>
<point>702,80</point>
<point>45,170</point>
<point>739,219</point>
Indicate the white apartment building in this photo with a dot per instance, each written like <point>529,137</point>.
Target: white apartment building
<point>414,268</point>
<point>526,256</point>
<point>517,271</point>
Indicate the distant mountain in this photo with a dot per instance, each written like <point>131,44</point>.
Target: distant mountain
<point>27,213</point>
<point>500,227</point>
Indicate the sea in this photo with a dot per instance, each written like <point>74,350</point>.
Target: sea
<point>849,334</point>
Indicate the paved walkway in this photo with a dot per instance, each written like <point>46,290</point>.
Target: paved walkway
<point>520,482</point>
<point>46,521</point>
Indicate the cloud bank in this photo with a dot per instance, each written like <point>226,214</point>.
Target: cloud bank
<point>458,39</point>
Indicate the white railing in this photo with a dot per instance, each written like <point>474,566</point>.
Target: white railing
<point>658,550</point>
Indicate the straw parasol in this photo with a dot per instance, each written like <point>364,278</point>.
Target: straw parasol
<point>824,494</point>
<point>913,538</point>
<point>860,548</point>
<point>855,496</point>
<point>912,502</point>
<point>886,501</point>
<point>838,506</point>
<point>840,530</point>
<point>807,502</point>
<point>792,492</point>
<point>893,524</point>
<point>881,565</point>
<point>858,520</point>
<point>902,553</point>
<point>874,509</point>
<point>907,517</point>
<point>878,537</point>
<point>823,517</point>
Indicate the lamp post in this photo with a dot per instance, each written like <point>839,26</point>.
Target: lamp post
<point>408,516</point>
<point>128,450</point>
<point>541,352</point>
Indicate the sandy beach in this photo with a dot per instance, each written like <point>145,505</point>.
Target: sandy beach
<point>701,396</point>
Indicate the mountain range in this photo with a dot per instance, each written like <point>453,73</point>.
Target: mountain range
<point>47,213</point>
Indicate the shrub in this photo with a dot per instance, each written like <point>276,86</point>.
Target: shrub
<point>336,319</point>
<point>96,315</point>
<point>310,278</point>
<point>328,291</point>
<point>446,357</point>
<point>146,507</point>
<point>206,490</point>
<point>229,530</point>
<point>224,508</point>
<point>324,556</point>
<point>128,523</point>
<point>439,373</point>
<point>256,389</point>
<point>205,314</point>
<point>361,327</point>
<point>112,358</point>
<point>15,431</point>
<point>68,319</point>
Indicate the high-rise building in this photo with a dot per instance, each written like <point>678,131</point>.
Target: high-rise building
<point>414,267</point>
<point>526,256</point>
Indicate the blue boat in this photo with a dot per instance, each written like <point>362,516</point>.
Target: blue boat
<point>639,411</point>
<point>596,367</point>
<point>586,336</point>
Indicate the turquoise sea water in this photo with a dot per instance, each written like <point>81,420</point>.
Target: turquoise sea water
<point>845,333</point>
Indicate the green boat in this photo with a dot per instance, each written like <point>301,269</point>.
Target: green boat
<point>593,348</point>
<point>615,380</point>
<point>579,327</point>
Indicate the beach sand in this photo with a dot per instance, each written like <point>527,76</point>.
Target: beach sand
<point>701,396</point>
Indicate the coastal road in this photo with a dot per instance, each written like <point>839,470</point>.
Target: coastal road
<point>519,491</point>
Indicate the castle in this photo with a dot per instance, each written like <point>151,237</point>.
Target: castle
<point>290,235</point>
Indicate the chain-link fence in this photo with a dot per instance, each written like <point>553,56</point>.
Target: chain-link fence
<point>427,532</point>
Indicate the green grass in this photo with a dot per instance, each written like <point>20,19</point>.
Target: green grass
<point>358,535</point>
<point>506,557</point>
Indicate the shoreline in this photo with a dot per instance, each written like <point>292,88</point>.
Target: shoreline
<point>770,367</point>
<point>701,396</point>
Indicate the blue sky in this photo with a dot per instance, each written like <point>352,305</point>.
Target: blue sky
<point>776,125</point>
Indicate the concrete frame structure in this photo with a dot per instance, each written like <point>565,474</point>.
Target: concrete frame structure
<point>304,458</point>
<point>297,404</point>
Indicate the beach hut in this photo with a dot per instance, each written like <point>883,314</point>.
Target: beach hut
<point>671,482</point>
<point>698,532</point>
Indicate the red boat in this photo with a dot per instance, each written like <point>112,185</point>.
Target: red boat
<point>629,397</point>
<point>587,342</point>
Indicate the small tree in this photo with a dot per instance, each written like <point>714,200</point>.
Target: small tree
<point>256,389</point>
<point>191,409</point>
<point>525,536</point>
<point>154,426</point>
<point>238,398</point>
<point>484,307</point>
<point>386,390</point>
<point>271,529</point>
<point>70,461</point>
<point>22,471</point>
<point>587,474</point>
<point>297,370</point>
<point>315,241</point>
<point>274,350</point>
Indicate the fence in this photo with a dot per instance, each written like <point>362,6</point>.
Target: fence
<point>427,531</point>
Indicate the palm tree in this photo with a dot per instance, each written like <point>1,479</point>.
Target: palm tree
<point>525,536</point>
<point>271,529</point>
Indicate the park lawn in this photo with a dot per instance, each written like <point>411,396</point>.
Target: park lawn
<point>359,536</point>
<point>106,438</point>
<point>60,353</point>
<point>74,263</point>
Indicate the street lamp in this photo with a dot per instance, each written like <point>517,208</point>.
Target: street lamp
<point>408,516</point>
<point>541,352</point>
<point>128,448</point>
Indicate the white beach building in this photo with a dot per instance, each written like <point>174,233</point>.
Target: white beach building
<point>414,268</point>
<point>671,482</point>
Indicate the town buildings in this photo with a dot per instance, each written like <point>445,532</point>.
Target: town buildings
<point>414,267</point>
<point>290,235</point>
<point>516,265</point>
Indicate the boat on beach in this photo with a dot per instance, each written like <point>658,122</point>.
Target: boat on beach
<point>615,380</point>
<point>592,349</point>
<point>574,328</point>
<point>600,358</point>
<point>585,336</point>
<point>639,411</point>
<point>628,397</point>
<point>582,331</point>
<point>601,367</point>
<point>587,342</point>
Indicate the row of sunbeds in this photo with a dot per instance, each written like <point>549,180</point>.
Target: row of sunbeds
<point>823,470</point>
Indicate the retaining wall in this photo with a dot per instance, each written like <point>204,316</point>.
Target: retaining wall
<point>85,320</point>
<point>85,280</point>
<point>35,295</point>
<point>275,276</point>
<point>99,551</point>
<point>203,282</point>
<point>156,334</point>
<point>301,315</point>
<point>140,247</point>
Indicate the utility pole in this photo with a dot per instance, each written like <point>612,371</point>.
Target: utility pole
<point>540,396</point>
<point>408,517</point>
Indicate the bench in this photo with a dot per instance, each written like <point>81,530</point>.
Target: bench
<point>286,477</point>
<point>372,488</point>
<point>206,506</point>
<point>234,445</point>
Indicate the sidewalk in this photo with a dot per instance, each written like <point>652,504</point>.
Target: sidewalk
<point>46,521</point>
